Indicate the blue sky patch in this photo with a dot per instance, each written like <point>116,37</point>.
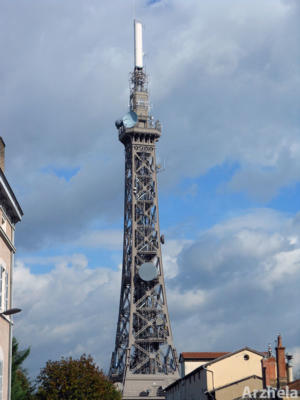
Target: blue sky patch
<point>65,173</point>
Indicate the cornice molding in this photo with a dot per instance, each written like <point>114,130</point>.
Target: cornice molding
<point>7,241</point>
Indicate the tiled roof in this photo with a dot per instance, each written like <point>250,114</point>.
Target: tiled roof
<point>294,385</point>
<point>204,355</point>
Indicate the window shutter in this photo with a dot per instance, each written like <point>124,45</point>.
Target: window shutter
<point>1,287</point>
<point>6,290</point>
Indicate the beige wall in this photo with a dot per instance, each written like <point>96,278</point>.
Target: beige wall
<point>189,366</point>
<point>234,368</point>
<point>263,393</point>
<point>5,261</point>
<point>8,226</point>
<point>5,254</point>
<point>234,391</point>
<point>4,345</point>
<point>289,398</point>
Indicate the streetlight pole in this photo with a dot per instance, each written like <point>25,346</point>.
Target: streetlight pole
<point>11,311</point>
<point>4,315</point>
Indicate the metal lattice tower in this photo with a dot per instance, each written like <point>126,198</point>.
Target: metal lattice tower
<point>144,361</point>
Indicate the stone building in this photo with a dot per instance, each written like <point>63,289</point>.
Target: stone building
<point>10,214</point>
<point>221,378</point>
<point>228,376</point>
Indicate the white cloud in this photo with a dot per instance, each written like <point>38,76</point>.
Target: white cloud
<point>171,250</point>
<point>70,310</point>
<point>227,289</point>
<point>245,273</point>
<point>186,303</point>
<point>223,82</point>
<point>108,239</point>
<point>280,266</point>
<point>295,351</point>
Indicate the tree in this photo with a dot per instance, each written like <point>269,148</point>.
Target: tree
<point>70,379</point>
<point>21,388</point>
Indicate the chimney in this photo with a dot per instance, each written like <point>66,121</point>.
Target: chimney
<point>281,366</point>
<point>2,154</point>
<point>269,371</point>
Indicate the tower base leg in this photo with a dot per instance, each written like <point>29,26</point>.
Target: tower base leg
<point>140,386</point>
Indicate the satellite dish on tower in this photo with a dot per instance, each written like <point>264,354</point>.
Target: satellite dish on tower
<point>148,272</point>
<point>130,119</point>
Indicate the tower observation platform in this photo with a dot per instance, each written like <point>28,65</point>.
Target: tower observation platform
<point>144,360</point>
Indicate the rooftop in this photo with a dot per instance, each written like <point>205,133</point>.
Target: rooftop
<point>203,355</point>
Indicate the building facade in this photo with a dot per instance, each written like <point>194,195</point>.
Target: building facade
<point>222,378</point>
<point>245,373</point>
<point>192,360</point>
<point>10,214</point>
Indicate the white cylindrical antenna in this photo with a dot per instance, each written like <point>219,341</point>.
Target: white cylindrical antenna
<point>138,44</point>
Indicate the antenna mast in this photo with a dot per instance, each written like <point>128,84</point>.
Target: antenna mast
<point>138,44</point>
<point>144,361</point>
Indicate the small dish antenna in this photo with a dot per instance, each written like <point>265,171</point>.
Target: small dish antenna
<point>148,272</point>
<point>130,119</point>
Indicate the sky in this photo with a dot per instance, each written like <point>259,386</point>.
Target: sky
<point>225,84</point>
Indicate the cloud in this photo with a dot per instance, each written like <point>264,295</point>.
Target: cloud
<point>223,82</point>
<point>107,239</point>
<point>186,303</point>
<point>171,250</point>
<point>234,286</point>
<point>247,272</point>
<point>296,361</point>
<point>282,266</point>
<point>65,209</point>
<point>68,311</point>
<point>73,308</point>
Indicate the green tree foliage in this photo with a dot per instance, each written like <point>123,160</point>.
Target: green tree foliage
<point>20,385</point>
<point>70,379</point>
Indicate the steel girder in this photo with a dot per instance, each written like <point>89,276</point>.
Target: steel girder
<point>144,344</point>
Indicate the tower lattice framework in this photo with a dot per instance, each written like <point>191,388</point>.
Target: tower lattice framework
<point>144,360</point>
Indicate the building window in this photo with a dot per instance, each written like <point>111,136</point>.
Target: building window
<point>3,289</point>
<point>3,223</point>
<point>6,291</point>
